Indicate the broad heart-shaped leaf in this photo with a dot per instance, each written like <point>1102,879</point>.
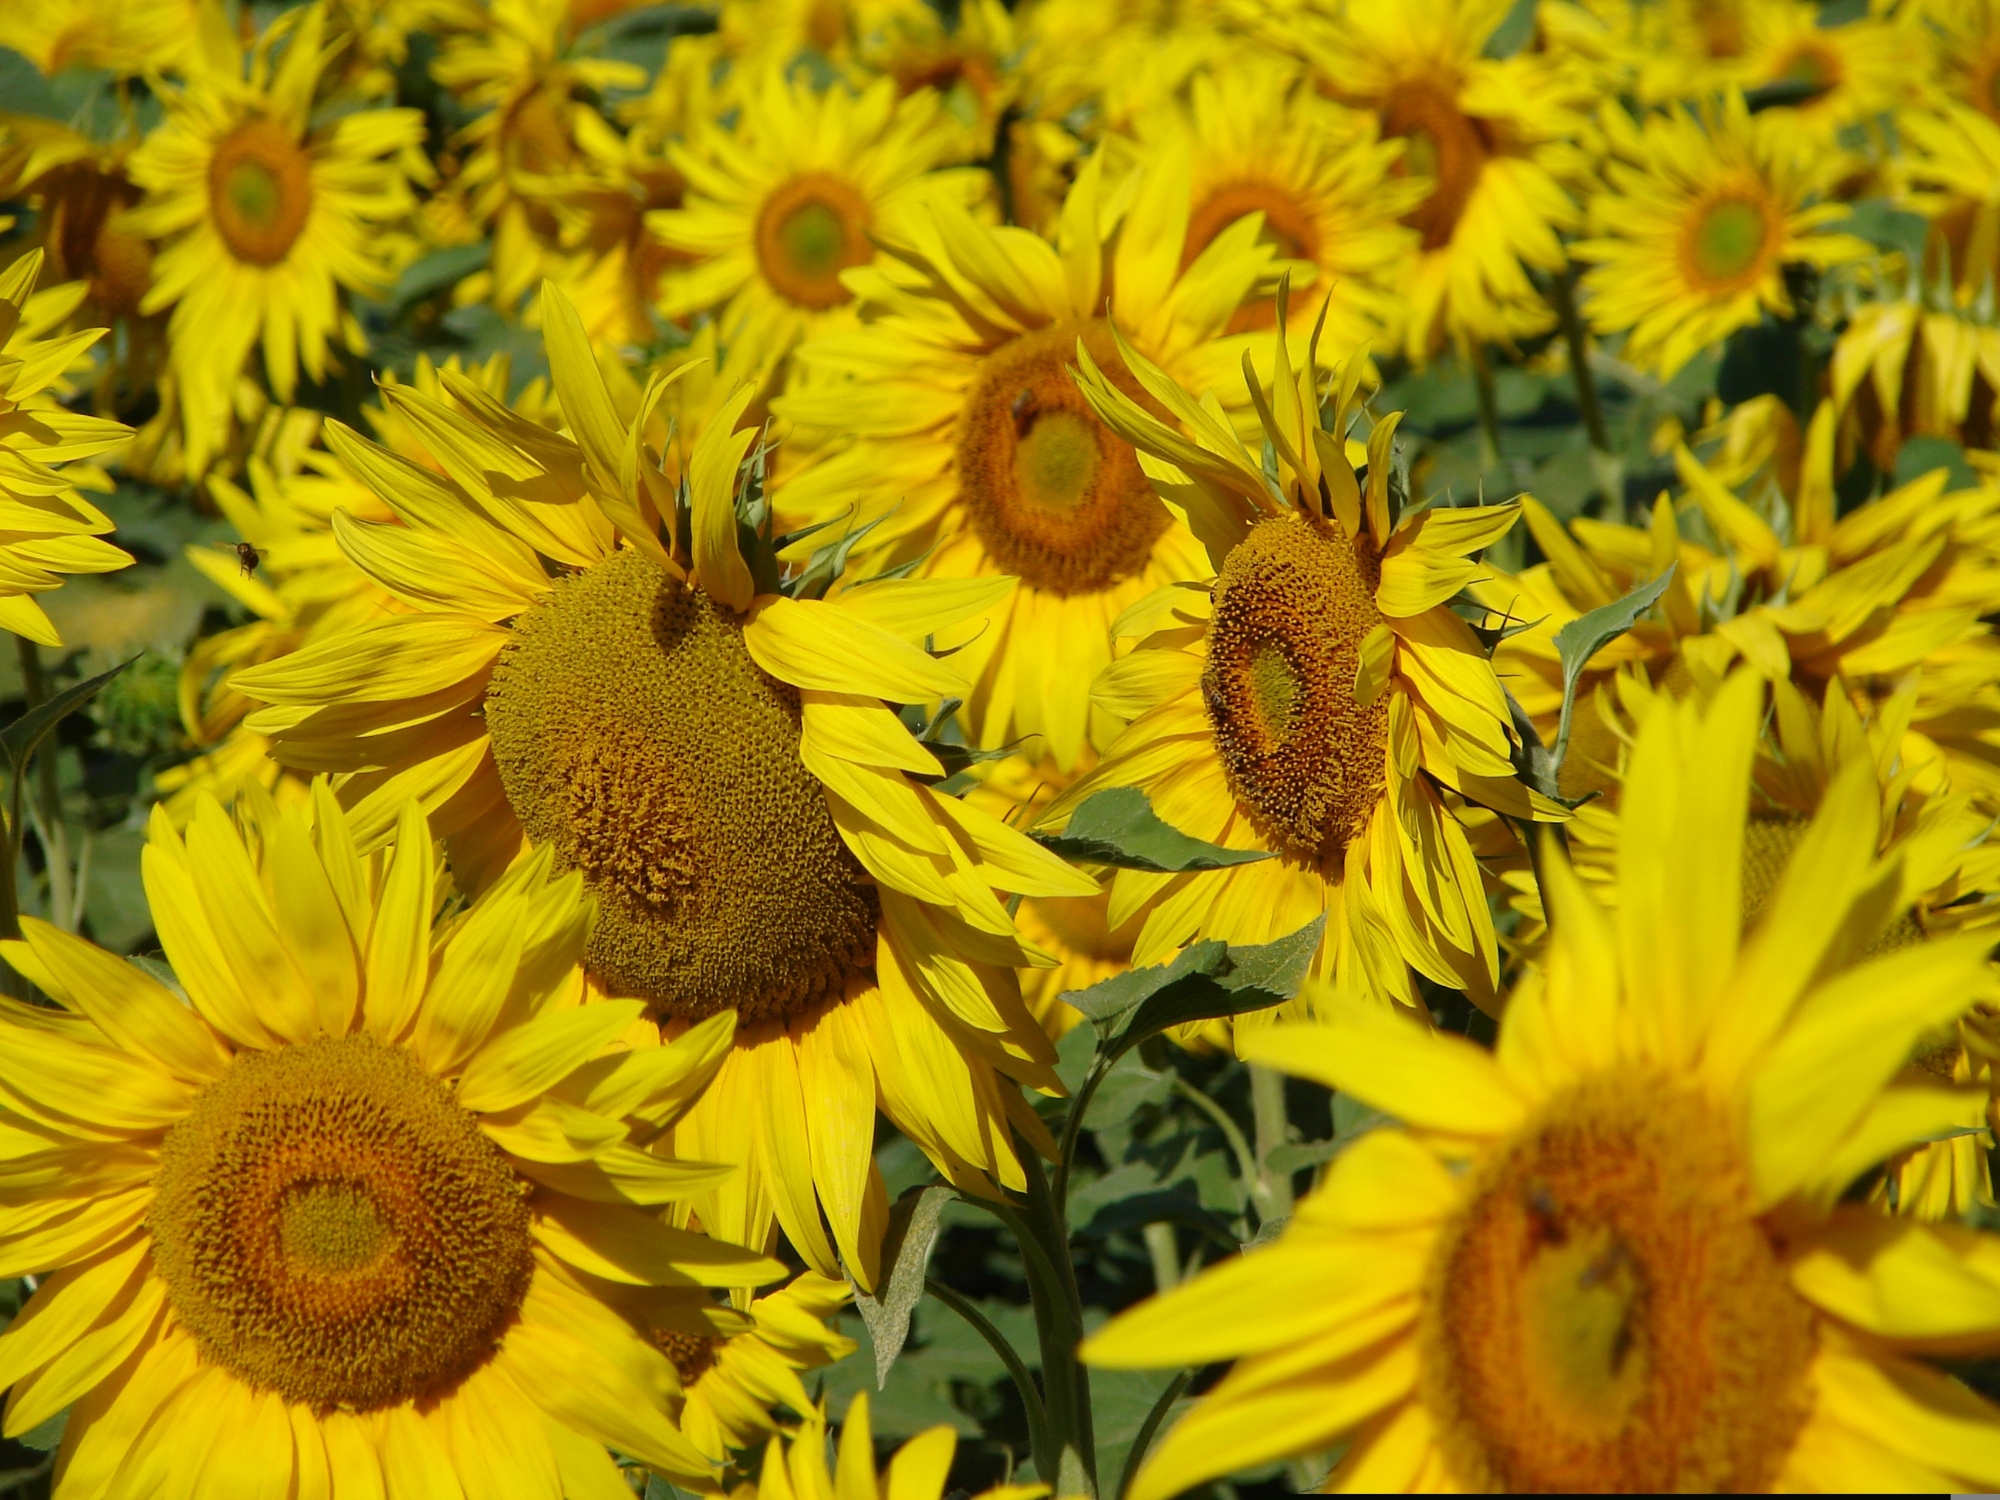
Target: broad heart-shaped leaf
<point>906,1256</point>
<point>1585,636</point>
<point>1206,980</point>
<point>20,739</point>
<point>1118,827</point>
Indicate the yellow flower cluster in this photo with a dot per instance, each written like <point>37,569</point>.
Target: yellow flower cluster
<point>1428,563</point>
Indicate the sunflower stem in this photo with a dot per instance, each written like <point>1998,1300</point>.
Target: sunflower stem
<point>1604,461</point>
<point>1046,1460</point>
<point>46,814</point>
<point>1137,1456</point>
<point>1267,1114</point>
<point>1489,406</point>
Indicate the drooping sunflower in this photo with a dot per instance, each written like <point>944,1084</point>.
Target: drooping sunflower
<point>267,217</point>
<point>977,456</point>
<point>51,530</point>
<point>1308,695</point>
<point>1487,135</point>
<point>1702,212</point>
<point>797,193</point>
<point>714,755</point>
<point>1608,1256</point>
<point>1260,140</point>
<point>1898,585</point>
<point>336,1221</point>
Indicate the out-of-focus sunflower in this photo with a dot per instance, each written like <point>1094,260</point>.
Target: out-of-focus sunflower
<point>302,1230</point>
<point>1308,696</point>
<point>969,64</point>
<point>713,754</point>
<point>1488,135</point>
<point>126,37</point>
<point>518,68</point>
<point>1260,140</point>
<point>1655,51</point>
<point>796,194</point>
<point>1701,216</point>
<point>267,217</point>
<point>1920,341</point>
<point>51,530</point>
<point>1104,65</point>
<point>1961,40</point>
<point>1898,585</point>
<point>763,34</point>
<point>1856,67</point>
<point>1608,1255</point>
<point>1950,877</point>
<point>977,455</point>
<point>738,1368</point>
<point>798,1468</point>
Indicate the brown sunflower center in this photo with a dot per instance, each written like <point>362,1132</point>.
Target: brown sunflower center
<point>1726,243</point>
<point>1288,228</point>
<point>1606,1313</point>
<point>260,191</point>
<point>1293,604</point>
<point>1443,143</point>
<point>1768,842</point>
<point>809,230</point>
<point>1057,498</point>
<point>635,735</point>
<point>692,1355</point>
<point>332,1226</point>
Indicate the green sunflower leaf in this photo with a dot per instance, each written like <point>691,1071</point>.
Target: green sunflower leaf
<point>914,1222</point>
<point>1579,641</point>
<point>1118,827</point>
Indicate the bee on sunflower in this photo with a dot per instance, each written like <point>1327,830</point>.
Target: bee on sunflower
<point>976,455</point>
<point>1703,212</point>
<point>1611,1255</point>
<point>51,530</point>
<point>266,216</point>
<point>1308,694</point>
<point>356,1214</point>
<point>707,743</point>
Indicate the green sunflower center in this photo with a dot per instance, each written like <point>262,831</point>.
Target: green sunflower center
<point>634,734</point>
<point>1606,1314</point>
<point>1056,498</point>
<point>332,1226</point>
<point>810,229</point>
<point>1293,604</point>
<point>1726,241</point>
<point>260,191</point>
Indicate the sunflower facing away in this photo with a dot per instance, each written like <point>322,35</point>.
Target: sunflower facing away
<point>51,530</point>
<point>347,1217</point>
<point>1609,1255</point>
<point>979,458</point>
<point>1703,212</point>
<point>714,756</point>
<point>267,217</point>
<point>779,207</point>
<point>1308,695</point>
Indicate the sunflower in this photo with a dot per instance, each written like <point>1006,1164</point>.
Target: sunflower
<point>1701,216</point>
<point>1259,140</point>
<point>797,1469</point>
<point>1308,695</point>
<point>124,37</point>
<point>796,194</point>
<point>267,216</point>
<point>762,34</point>
<point>80,190</point>
<point>976,455</point>
<point>1857,68</point>
<point>1951,873</point>
<point>1655,51</point>
<point>1488,137</point>
<point>1898,585</point>
<point>341,1215</point>
<point>968,64</point>
<point>51,530</point>
<point>303,588</point>
<point>1609,1255</point>
<point>713,754</point>
<point>1962,40</point>
<point>524,148</point>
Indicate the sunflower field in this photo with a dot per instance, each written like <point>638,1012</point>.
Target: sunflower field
<point>898,749</point>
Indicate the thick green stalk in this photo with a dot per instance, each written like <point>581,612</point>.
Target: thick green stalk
<point>48,818</point>
<point>1267,1113</point>
<point>1489,406</point>
<point>1604,461</point>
